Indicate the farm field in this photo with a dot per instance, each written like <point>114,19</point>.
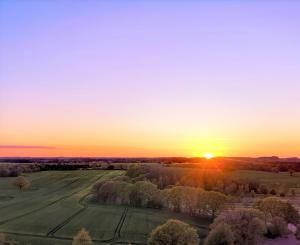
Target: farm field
<point>57,205</point>
<point>268,178</point>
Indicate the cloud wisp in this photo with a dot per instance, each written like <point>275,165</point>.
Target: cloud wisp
<point>27,147</point>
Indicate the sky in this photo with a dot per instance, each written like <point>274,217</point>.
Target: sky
<point>149,78</point>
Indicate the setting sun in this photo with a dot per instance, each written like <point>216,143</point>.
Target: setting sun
<point>208,155</point>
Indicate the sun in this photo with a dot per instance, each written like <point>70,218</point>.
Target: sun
<point>208,155</point>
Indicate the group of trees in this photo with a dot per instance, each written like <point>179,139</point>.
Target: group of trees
<point>210,180</point>
<point>118,191</point>
<point>13,170</point>
<point>244,225</point>
<point>269,216</point>
<point>191,200</point>
<point>277,214</point>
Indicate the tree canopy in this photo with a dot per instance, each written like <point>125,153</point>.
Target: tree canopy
<point>174,232</point>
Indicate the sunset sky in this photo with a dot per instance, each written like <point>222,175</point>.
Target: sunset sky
<point>149,78</point>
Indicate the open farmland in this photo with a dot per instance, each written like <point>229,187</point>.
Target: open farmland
<point>267,178</point>
<point>57,205</point>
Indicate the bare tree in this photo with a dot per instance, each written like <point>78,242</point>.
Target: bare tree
<point>21,182</point>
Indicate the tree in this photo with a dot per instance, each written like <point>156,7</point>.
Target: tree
<point>220,235</point>
<point>274,207</point>
<point>21,182</point>
<point>211,201</point>
<point>278,227</point>
<point>173,232</point>
<point>113,192</point>
<point>293,193</point>
<point>291,172</point>
<point>263,189</point>
<point>297,234</point>
<point>82,238</point>
<point>174,198</point>
<point>4,240</point>
<point>231,189</point>
<point>142,194</point>
<point>134,171</point>
<point>246,224</point>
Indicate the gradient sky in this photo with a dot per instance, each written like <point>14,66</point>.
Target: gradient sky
<point>149,78</point>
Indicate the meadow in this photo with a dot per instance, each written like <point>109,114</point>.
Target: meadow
<point>58,204</point>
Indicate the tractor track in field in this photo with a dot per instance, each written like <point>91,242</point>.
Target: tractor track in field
<point>49,204</point>
<point>59,189</point>
<point>117,231</point>
<point>69,219</point>
<point>66,221</point>
<point>51,233</point>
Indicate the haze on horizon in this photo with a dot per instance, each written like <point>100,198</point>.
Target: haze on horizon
<point>149,78</point>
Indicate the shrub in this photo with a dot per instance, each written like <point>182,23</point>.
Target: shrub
<point>82,238</point>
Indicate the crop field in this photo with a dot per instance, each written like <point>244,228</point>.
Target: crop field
<point>268,178</point>
<point>57,205</point>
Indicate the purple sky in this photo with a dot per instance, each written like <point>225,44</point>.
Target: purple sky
<point>150,77</point>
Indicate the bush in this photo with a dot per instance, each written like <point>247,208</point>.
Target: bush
<point>82,238</point>
<point>221,234</point>
<point>174,232</point>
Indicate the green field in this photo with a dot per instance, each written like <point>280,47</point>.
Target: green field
<point>268,178</point>
<point>57,205</point>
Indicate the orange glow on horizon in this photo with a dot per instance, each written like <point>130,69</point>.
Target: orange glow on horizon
<point>209,155</point>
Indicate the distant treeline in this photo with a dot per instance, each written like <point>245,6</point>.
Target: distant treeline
<point>209,180</point>
<point>13,170</point>
<point>15,166</point>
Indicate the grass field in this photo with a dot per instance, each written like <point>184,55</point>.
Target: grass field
<point>268,178</point>
<point>57,205</point>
